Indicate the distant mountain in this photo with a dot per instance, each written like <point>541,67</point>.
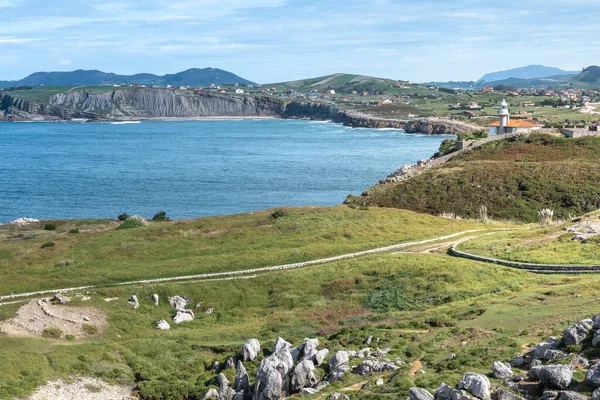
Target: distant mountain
<point>528,72</point>
<point>190,77</point>
<point>590,75</point>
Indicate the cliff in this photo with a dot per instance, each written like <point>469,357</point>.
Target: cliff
<point>142,103</point>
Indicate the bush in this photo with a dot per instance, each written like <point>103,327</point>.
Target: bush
<point>123,217</point>
<point>70,337</point>
<point>278,213</point>
<point>50,227</point>
<point>48,244</point>
<point>53,333</point>
<point>133,222</point>
<point>89,329</point>
<point>160,216</point>
<point>74,231</point>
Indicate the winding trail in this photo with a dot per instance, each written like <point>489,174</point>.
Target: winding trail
<point>240,274</point>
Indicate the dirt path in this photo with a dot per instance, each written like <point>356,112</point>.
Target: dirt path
<point>433,248</point>
<point>247,271</point>
<point>415,366</point>
<point>83,388</point>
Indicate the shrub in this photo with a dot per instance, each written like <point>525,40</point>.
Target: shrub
<point>278,213</point>
<point>123,217</point>
<point>89,329</point>
<point>70,337</point>
<point>48,244</point>
<point>545,216</point>
<point>133,222</point>
<point>74,231</point>
<point>482,212</point>
<point>160,216</point>
<point>50,227</point>
<point>53,333</point>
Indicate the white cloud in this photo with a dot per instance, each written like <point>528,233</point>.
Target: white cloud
<point>13,39</point>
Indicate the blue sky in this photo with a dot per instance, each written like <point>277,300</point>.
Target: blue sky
<point>276,40</point>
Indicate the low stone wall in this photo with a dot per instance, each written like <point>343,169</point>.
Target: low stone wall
<point>538,268</point>
<point>578,132</point>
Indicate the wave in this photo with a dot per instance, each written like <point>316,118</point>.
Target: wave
<point>125,122</point>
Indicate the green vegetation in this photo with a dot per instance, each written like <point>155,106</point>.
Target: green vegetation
<point>52,333</point>
<point>160,216</point>
<point>47,245</point>
<point>422,306</point>
<point>133,222</point>
<point>123,217</point>
<point>514,178</point>
<point>50,227</point>
<point>548,245</point>
<point>102,255</point>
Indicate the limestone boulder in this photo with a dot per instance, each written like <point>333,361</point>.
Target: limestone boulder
<point>502,394</point>
<point>592,378</point>
<point>370,366</point>
<point>178,302</point>
<point>134,301</point>
<point>320,356</point>
<point>501,370</point>
<point>183,316</point>
<point>570,395</point>
<point>443,392</point>
<point>339,358</point>
<point>281,344</point>
<point>155,299</point>
<point>162,325</point>
<point>309,348</point>
<point>415,393</point>
<point>574,334</point>
<point>303,376</point>
<point>555,376</point>
<point>250,350</point>
<point>476,384</point>
<point>241,381</point>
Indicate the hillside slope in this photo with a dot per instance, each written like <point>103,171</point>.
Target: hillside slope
<point>513,178</point>
<point>341,83</point>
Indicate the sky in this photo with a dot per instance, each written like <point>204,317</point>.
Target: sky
<point>280,40</point>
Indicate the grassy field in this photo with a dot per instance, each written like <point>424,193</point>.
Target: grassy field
<point>551,245</point>
<point>43,94</point>
<point>100,255</point>
<point>513,178</point>
<point>422,306</point>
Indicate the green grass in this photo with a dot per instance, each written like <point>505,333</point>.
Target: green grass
<point>551,245</point>
<point>476,310</point>
<point>515,179</point>
<point>101,255</point>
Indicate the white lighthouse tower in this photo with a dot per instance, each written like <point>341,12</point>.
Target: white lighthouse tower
<point>504,116</point>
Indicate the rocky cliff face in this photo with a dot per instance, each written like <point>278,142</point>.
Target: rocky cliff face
<point>435,126</point>
<point>153,103</point>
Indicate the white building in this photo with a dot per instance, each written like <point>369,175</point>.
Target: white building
<point>505,125</point>
<point>239,91</point>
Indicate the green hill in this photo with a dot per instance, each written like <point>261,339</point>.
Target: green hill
<point>513,178</point>
<point>341,83</point>
<point>590,75</point>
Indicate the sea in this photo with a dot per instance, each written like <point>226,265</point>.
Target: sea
<point>60,170</point>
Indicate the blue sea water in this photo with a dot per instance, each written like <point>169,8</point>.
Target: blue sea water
<point>191,168</point>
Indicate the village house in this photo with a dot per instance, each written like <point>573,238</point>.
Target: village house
<point>506,125</point>
<point>239,91</point>
<point>527,104</point>
<point>487,89</point>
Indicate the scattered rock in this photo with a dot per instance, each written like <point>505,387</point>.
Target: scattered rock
<point>443,392</point>
<point>303,376</point>
<point>501,370</point>
<point>569,395</point>
<point>210,310</point>
<point>211,394</point>
<point>85,318</point>
<point>502,394</point>
<point>549,395</point>
<point>555,376</point>
<point>178,302</point>
<point>320,356</point>
<point>339,372</point>
<point>108,300</point>
<point>574,335</point>
<point>339,358</point>
<point>416,393</point>
<point>368,340</point>
<point>250,350</point>
<point>163,325</point>
<point>272,378</point>
<point>595,395</point>
<point>596,339</point>
<point>580,361</point>
<point>308,391</point>
<point>542,348</point>
<point>379,382</point>
<point>281,344</point>
<point>133,300</point>
<point>460,395</point>
<point>309,348</point>
<point>230,363</point>
<point>592,378</point>
<point>476,384</point>
<point>518,361</point>
<point>216,366</point>
<point>369,366</point>
<point>338,396</point>
<point>182,316</point>
<point>155,299</point>
<point>226,392</point>
<point>241,381</point>
<point>363,353</point>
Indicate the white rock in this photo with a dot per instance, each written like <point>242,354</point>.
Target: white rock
<point>163,325</point>
<point>250,350</point>
<point>178,302</point>
<point>133,300</point>
<point>155,299</point>
<point>182,316</point>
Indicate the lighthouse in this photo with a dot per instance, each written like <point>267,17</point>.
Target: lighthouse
<point>504,116</point>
